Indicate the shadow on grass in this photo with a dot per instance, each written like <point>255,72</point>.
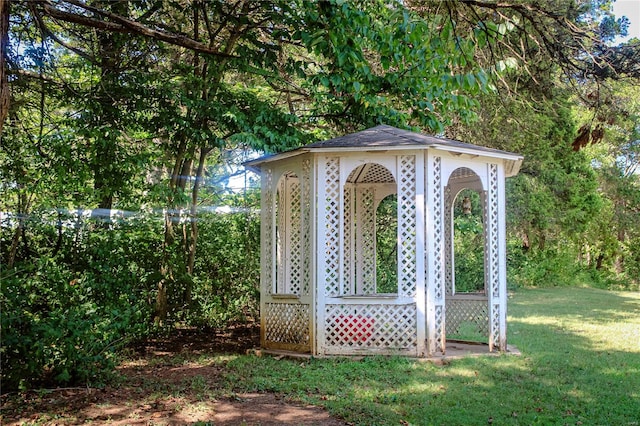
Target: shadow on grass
<point>572,371</point>
<point>580,364</point>
<point>168,380</point>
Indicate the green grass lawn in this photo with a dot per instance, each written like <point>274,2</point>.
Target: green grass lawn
<point>580,364</point>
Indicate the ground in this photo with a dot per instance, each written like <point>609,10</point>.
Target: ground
<point>154,389</point>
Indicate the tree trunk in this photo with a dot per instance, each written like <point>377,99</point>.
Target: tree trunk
<point>5,97</point>
<point>161,308</point>
<point>162,305</point>
<point>183,165</point>
<point>619,261</point>
<point>19,234</point>
<point>526,245</point>
<point>194,209</point>
<point>111,45</point>
<point>181,169</point>
<point>13,251</point>
<point>542,239</point>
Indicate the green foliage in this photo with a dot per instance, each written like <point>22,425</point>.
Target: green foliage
<point>227,278</point>
<point>468,245</point>
<point>553,267</point>
<point>385,64</point>
<point>610,246</point>
<point>65,316</point>
<point>387,245</point>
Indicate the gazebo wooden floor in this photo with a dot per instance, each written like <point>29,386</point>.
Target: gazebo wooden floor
<point>456,349</point>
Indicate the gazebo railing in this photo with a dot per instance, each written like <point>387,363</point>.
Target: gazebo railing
<point>374,327</point>
<point>467,308</point>
<point>287,324</point>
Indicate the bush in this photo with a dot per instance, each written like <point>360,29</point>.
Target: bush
<point>67,310</point>
<point>226,281</point>
<point>558,265</point>
<point>53,332</point>
<point>544,268</point>
<point>65,317</point>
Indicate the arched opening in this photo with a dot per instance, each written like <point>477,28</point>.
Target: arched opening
<point>467,315</point>
<point>387,245</point>
<point>370,219</point>
<point>468,243</point>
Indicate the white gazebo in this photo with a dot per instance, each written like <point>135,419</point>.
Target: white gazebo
<point>319,290</point>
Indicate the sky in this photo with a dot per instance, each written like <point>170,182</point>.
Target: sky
<point>630,9</point>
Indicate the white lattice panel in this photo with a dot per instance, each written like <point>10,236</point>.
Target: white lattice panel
<point>306,226</point>
<point>437,231</point>
<point>492,253</point>
<point>377,327</point>
<point>267,233</point>
<point>440,328</point>
<point>294,243</point>
<point>332,263</point>
<point>287,323</point>
<point>493,233</point>
<point>371,173</point>
<point>366,241</point>
<point>495,325</point>
<point>349,242</point>
<point>437,228</point>
<point>407,225</point>
<point>438,255</point>
<point>448,241</point>
<point>467,311</point>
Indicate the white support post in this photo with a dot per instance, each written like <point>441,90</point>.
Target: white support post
<point>320,257</point>
<point>449,272</point>
<point>435,256</point>
<point>493,256</point>
<point>502,257</point>
<point>421,249</point>
<point>267,258</point>
<point>439,255</point>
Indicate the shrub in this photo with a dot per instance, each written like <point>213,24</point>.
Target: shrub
<point>64,318</point>
<point>225,285</point>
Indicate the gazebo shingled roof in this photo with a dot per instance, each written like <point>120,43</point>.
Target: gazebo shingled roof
<point>384,137</point>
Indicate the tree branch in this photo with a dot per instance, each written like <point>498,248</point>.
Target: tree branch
<point>117,23</point>
<point>46,32</point>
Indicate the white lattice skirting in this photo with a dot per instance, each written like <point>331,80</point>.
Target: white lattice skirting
<point>467,311</point>
<point>372,328</point>
<point>287,323</point>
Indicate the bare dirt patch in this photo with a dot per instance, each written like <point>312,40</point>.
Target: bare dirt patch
<point>165,384</point>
